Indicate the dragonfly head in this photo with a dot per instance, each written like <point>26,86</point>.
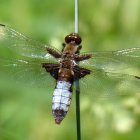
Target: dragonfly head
<point>73,38</point>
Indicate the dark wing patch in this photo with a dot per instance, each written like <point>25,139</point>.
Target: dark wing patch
<point>52,69</point>
<point>80,72</point>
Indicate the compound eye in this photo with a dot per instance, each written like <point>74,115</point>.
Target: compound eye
<point>73,38</point>
<point>78,40</point>
<point>68,39</point>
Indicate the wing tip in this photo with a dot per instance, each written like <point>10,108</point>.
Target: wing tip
<point>137,77</point>
<point>2,25</point>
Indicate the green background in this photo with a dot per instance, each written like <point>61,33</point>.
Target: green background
<point>25,113</point>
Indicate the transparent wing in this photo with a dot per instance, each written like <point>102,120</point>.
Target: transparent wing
<point>106,84</point>
<point>30,73</point>
<point>23,45</point>
<point>112,73</point>
<point>122,61</point>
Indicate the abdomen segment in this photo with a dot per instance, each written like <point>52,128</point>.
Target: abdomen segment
<point>61,100</point>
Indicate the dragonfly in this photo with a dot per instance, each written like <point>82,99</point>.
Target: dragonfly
<point>41,65</point>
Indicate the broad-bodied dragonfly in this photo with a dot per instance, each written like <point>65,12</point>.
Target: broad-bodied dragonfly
<point>44,66</point>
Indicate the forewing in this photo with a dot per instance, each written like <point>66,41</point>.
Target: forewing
<point>122,61</point>
<point>29,73</point>
<point>23,45</point>
<point>112,73</point>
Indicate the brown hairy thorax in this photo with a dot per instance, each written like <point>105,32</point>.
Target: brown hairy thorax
<point>67,69</point>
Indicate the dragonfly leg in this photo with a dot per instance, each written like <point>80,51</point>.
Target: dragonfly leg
<point>54,53</point>
<point>82,57</point>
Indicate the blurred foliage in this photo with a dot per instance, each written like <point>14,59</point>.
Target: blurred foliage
<point>25,113</point>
